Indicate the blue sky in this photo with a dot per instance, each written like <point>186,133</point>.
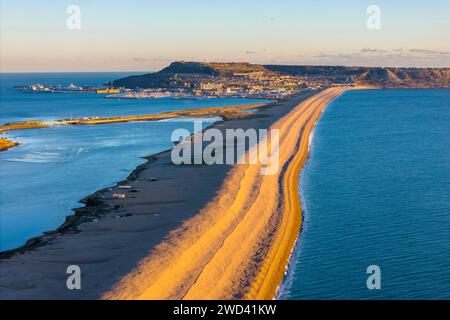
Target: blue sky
<point>147,35</point>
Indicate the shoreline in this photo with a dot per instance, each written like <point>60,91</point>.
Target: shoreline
<point>81,229</point>
<point>225,112</point>
<point>284,284</point>
<point>71,221</point>
<point>268,281</point>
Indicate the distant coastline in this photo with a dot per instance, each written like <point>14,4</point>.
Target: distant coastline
<point>230,75</point>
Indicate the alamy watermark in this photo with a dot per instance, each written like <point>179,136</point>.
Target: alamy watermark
<point>374,280</point>
<point>235,146</point>
<point>374,19</point>
<point>73,21</point>
<point>73,282</point>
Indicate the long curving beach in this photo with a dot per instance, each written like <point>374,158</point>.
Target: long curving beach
<point>191,232</point>
<point>239,244</point>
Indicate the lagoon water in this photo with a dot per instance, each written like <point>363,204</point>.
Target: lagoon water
<point>376,191</point>
<point>53,168</point>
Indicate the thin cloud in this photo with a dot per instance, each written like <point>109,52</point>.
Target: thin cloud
<point>426,51</point>
<point>336,56</point>
<point>383,58</point>
<point>370,50</point>
<point>138,59</point>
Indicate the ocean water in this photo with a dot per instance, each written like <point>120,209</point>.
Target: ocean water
<point>53,168</point>
<point>376,191</point>
<point>17,106</point>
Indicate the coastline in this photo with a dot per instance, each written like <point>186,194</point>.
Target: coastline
<point>94,222</point>
<point>285,284</point>
<point>227,112</point>
<point>80,214</point>
<point>272,272</point>
<point>328,239</point>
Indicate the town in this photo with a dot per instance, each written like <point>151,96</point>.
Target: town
<point>194,80</point>
<point>256,84</point>
<point>188,80</point>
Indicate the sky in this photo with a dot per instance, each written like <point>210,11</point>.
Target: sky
<point>138,35</point>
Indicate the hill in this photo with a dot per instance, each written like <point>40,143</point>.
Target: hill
<point>383,77</point>
<point>180,72</point>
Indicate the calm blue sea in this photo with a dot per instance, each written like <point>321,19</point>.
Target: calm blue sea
<point>376,191</point>
<point>46,176</point>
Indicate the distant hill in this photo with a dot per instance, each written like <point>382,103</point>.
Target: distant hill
<point>317,70</point>
<point>237,67</point>
<point>180,71</point>
<point>407,77</point>
<point>383,77</point>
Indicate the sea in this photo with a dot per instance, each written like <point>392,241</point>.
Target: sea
<point>43,179</point>
<point>376,200</point>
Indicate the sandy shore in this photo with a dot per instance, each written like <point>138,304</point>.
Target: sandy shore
<point>190,232</point>
<point>239,244</point>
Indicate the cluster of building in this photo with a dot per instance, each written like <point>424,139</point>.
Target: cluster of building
<point>249,84</point>
<point>257,84</point>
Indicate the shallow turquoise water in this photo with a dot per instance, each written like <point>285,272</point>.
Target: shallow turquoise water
<point>376,191</point>
<point>53,168</point>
